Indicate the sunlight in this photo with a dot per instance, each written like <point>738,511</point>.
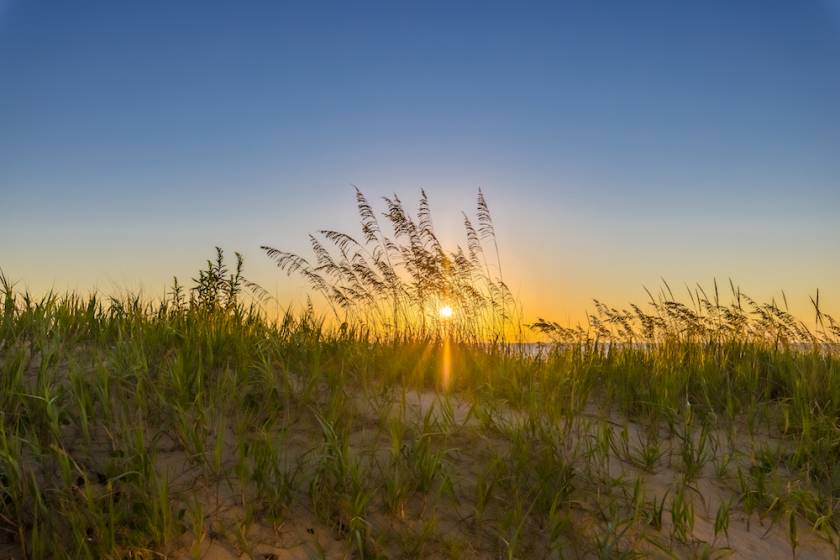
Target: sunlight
<point>445,312</point>
<point>446,365</point>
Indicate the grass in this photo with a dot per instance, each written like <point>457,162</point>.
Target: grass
<point>196,425</point>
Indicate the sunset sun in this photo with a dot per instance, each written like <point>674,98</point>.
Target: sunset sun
<point>445,312</point>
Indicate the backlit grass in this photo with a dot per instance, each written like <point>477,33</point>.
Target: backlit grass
<point>132,428</point>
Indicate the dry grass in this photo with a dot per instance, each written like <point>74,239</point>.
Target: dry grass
<point>394,280</point>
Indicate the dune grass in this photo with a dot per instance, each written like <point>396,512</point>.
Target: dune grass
<point>198,427</point>
<point>393,278</point>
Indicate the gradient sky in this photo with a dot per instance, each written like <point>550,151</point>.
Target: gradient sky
<point>617,142</point>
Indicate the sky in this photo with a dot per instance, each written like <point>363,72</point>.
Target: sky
<point>618,143</point>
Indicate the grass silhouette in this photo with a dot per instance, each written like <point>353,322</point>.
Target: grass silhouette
<point>198,426</point>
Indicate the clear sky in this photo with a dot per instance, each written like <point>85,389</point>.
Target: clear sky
<point>617,142</point>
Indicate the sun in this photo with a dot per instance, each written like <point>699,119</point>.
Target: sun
<point>445,312</point>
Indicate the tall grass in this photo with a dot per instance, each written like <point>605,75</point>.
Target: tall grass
<point>702,320</point>
<point>394,278</point>
<point>132,428</point>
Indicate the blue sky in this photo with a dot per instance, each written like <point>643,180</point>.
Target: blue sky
<point>617,142</point>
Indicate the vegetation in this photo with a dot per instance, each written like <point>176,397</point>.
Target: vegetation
<point>196,425</point>
<point>393,283</point>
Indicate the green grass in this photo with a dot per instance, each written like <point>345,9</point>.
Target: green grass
<point>140,429</point>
